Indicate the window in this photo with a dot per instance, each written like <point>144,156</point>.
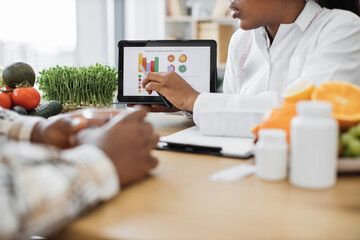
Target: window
<point>45,33</point>
<point>40,32</point>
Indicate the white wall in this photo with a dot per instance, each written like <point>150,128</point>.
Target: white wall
<point>144,19</point>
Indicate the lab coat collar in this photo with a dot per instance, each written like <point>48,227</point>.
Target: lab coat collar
<point>303,21</point>
<point>263,42</point>
<point>308,14</point>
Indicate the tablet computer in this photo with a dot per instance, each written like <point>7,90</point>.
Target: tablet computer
<point>193,60</point>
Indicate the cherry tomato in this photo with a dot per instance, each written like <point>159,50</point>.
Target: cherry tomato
<point>5,100</point>
<point>28,97</point>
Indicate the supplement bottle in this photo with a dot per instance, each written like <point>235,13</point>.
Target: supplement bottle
<point>314,146</point>
<point>271,155</point>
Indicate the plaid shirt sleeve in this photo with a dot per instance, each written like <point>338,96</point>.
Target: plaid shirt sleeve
<point>43,188</point>
<point>15,126</point>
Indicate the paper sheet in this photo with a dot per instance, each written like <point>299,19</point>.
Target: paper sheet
<point>230,145</point>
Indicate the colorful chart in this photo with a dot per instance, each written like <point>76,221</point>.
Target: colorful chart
<point>188,62</point>
<point>171,58</point>
<point>152,66</point>
<point>149,66</point>
<point>182,68</point>
<point>171,68</point>
<point>182,58</point>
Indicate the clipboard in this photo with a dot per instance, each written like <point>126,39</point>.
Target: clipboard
<point>191,141</point>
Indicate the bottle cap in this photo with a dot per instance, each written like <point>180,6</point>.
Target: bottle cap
<point>314,108</point>
<point>271,135</point>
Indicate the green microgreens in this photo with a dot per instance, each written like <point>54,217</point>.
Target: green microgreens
<point>79,86</point>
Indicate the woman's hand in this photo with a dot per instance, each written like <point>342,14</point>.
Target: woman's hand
<point>173,87</point>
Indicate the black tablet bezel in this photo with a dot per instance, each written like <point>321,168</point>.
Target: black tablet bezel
<point>162,43</point>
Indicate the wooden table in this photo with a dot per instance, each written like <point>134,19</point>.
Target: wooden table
<point>179,202</point>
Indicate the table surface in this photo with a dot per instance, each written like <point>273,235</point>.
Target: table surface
<point>179,201</point>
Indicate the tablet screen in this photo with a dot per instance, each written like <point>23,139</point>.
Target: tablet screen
<point>192,63</point>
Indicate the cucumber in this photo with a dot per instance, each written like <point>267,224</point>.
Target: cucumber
<point>20,110</point>
<point>47,109</point>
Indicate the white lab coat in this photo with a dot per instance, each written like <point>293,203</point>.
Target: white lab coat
<point>321,45</point>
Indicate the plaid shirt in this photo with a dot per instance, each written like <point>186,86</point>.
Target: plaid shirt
<point>43,188</point>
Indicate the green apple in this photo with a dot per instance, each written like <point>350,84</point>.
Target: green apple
<point>354,147</point>
<point>357,131</point>
<point>346,138</point>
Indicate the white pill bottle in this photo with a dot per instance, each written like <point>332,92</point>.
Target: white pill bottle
<point>271,155</point>
<point>314,146</point>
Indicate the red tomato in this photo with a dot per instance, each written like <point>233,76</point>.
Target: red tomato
<point>27,97</point>
<point>7,93</point>
<point>5,100</point>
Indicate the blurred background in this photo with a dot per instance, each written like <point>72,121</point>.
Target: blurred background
<point>46,33</point>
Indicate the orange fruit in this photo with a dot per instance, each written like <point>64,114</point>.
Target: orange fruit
<point>298,91</point>
<point>279,118</point>
<point>345,98</point>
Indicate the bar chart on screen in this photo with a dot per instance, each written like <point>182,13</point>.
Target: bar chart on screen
<point>187,62</point>
<point>150,66</point>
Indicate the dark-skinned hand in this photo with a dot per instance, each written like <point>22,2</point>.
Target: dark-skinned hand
<point>127,140</point>
<point>173,87</point>
<point>59,131</point>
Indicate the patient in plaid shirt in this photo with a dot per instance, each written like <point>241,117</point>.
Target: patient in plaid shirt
<point>53,171</point>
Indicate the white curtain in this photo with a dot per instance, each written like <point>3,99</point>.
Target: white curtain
<point>144,19</point>
<point>95,32</point>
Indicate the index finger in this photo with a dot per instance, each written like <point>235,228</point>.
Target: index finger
<point>151,77</point>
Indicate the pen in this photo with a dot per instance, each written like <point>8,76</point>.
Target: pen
<point>167,103</point>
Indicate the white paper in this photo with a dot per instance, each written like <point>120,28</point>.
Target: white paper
<point>229,145</point>
<point>233,174</point>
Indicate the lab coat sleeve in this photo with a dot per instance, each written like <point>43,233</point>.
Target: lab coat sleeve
<point>231,114</point>
<point>337,54</point>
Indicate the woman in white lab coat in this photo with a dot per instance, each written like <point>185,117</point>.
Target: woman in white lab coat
<point>279,43</point>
